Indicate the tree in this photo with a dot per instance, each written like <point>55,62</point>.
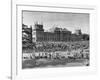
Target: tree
<point>85,37</point>
<point>26,36</point>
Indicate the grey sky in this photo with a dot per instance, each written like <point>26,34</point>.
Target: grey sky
<point>70,21</point>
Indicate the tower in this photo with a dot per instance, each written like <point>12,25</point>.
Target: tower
<point>37,29</point>
<point>78,32</point>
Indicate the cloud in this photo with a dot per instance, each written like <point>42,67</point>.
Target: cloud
<point>65,20</point>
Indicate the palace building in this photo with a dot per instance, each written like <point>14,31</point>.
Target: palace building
<point>54,34</point>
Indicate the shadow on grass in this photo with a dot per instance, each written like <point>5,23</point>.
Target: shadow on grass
<point>46,62</point>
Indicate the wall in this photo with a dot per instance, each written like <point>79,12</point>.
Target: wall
<point>5,37</point>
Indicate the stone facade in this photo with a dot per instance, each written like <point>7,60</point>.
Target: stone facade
<point>55,34</point>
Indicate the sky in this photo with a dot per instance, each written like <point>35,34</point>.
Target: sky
<point>70,21</point>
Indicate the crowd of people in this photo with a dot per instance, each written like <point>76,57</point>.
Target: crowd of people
<point>59,50</point>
